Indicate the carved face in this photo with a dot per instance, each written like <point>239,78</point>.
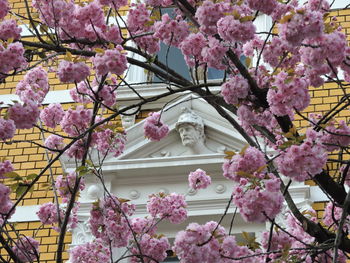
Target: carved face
<point>190,136</point>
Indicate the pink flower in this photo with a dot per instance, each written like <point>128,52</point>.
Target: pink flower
<point>9,29</point>
<point>170,206</point>
<point>54,142</point>
<point>52,115</point>
<point>235,89</point>
<point>4,8</point>
<point>244,164</point>
<point>5,167</point>
<point>232,30</point>
<point>70,72</point>
<point>27,249</point>
<point>66,184</point>
<point>7,129</point>
<point>24,116</point>
<point>76,121</point>
<point>94,251</point>
<point>154,128</point>
<point>109,221</point>
<point>171,32</point>
<point>199,179</point>
<point>111,61</point>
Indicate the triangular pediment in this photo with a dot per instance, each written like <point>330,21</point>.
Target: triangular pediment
<point>219,134</point>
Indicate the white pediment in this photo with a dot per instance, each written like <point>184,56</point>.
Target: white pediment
<point>220,136</point>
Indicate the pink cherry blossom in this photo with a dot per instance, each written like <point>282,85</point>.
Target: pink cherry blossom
<point>27,249</point>
<point>301,162</point>
<point>4,8</point>
<point>34,86</point>
<point>154,128</point>
<point>24,116</point>
<point>76,121</point>
<point>257,204</point>
<point>7,129</point>
<point>12,58</point>
<point>111,61</point>
<point>232,30</point>
<point>9,29</point>
<point>5,167</point>
<point>70,72</point>
<point>152,246</point>
<point>108,141</point>
<point>235,89</point>
<point>92,252</point>
<point>109,221</point>
<point>248,162</point>
<point>169,206</point>
<point>52,115</point>
<point>199,179</point>
<point>65,185</point>
<point>171,32</point>
<point>5,203</point>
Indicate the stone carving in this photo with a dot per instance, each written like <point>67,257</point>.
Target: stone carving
<point>191,129</point>
<point>81,234</point>
<point>128,119</point>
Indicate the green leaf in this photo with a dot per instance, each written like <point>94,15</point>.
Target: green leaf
<point>20,190</point>
<point>31,176</point>
<point>14,176</point>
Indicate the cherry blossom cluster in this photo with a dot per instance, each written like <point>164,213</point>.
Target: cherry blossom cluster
<point>114,3</point>
<point>5,203</point>
<point>24,116</point>
<point>108,141</point>
<point>11,57</point>
<point>81,93</point>
<point>169,206</point>
<point>111,61</point>
<point>289,93</point>
<point>34,86</point>
<point>244,164</point>
<point>199,179</point>
<point>5,167</point>
<point>301,162</point>
<point>258,202</point>
<point>106,95</point>
<point>9,29</point>
<point>52,115</point>
<point>65,185</point>
<point>302,24</point>
<point>4,8</point>
<point>171,32</point>
<point>142,225</point>
<point>208,243</point>
<point>235,89</point>
<point>265,6</point>
<point>94,251</point>
<point>209,13</point>
<point>70,72</point>
<point>48,215</point>
<point>335,137</point>
<point>233,30</point>
<point>76,121</point>
<point>77,149</point>
<point>192,47</point>
<point>154,128</point>
<point>213,54</point>
<point>109,221</point>
<point>27,249</point>
<point>249,117</point>
<point>7,129</point>
<point>332,215</point>
<point>153,249</point>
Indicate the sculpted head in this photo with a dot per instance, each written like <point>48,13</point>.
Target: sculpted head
<point>191,128</point>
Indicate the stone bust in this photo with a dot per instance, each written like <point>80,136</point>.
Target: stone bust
<point>191,129</point>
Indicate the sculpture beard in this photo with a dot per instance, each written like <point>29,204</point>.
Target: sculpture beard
<point>190,136</point>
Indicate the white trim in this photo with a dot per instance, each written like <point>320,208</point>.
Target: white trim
<point>25,214</point>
